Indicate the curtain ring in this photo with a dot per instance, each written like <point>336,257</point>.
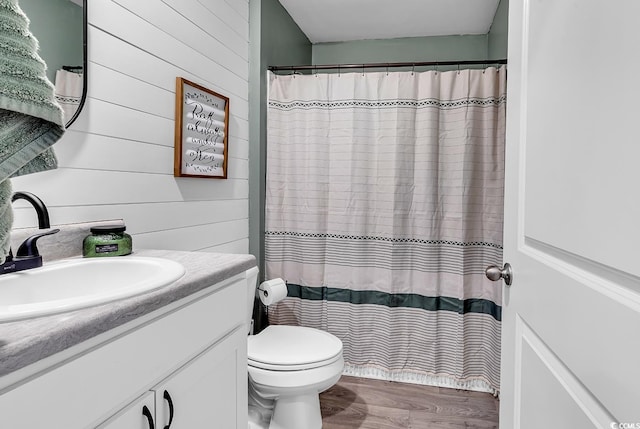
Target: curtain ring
<point>338,70</point>
<point>363,70</point>
<point>413,69</point>
<point>458,68</point>
<point>387,69</point>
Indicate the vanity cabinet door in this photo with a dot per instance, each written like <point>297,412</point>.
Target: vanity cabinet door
<point>140,414</point>
<point>208,392</point>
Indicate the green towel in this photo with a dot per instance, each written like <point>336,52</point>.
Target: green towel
<point>6,217</point>
<point>30,119</point>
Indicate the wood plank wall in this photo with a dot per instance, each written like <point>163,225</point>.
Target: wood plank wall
<point>116,160</point>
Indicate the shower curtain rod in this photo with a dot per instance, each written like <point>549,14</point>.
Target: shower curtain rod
<point>385,65</point>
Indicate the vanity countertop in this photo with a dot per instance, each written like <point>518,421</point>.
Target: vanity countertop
<point>25,342</point>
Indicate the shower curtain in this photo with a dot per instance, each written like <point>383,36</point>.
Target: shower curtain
<point>68,91</point>
<point>384,206</point>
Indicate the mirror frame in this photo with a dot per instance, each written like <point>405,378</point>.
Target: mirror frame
<point>85,26</point>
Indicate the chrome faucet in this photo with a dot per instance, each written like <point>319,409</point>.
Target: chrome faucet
<point>28,256</point>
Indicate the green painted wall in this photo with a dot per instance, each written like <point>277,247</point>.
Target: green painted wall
<point>274,40</point>
<point>282,40</point>
<point>57,24</point>
<point>442,48</point>
<point>498,32</point>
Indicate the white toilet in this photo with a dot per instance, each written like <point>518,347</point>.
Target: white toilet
<point>288,367</point>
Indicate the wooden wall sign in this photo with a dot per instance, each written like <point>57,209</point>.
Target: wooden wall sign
<point>202,130</point>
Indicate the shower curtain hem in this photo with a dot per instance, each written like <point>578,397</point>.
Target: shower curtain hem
<point>413,377</point>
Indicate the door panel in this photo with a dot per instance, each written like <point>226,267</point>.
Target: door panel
<point>585,323</point>
<point>581,128</point>
<point>570,319</point>
<point>549,390</point>
<point>205,392</point>
<point>556,406</point>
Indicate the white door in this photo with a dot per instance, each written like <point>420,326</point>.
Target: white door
<point>571,318</point>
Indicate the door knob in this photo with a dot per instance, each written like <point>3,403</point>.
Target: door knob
<point>495,273</point>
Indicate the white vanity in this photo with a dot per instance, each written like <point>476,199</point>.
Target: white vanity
<point>175,356</point>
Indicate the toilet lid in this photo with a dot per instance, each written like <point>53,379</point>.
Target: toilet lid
<point>288,346</point>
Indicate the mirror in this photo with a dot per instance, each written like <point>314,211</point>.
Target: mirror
<point>61,30</point>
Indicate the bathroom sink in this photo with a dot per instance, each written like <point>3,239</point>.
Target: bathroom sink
<point>76,283</point>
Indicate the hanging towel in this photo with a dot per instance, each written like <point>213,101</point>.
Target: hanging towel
<point>6,217</point>
<point>30,119</point>
<point>69,92</point>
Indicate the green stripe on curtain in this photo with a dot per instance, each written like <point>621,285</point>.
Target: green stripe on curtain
<point>408,300</point>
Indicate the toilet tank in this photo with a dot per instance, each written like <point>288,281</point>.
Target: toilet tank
<point>252,279</point>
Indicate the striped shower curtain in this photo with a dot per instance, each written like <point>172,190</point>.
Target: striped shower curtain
<point>384,205</point>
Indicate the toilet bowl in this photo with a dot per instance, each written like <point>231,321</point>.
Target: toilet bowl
<point>288,367</point>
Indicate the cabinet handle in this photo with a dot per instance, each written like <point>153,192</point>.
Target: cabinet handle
<point>147,414</point>
<point>167,397</point>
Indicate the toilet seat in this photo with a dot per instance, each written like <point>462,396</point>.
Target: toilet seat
<point>311,365</point>
<point>292,348</point>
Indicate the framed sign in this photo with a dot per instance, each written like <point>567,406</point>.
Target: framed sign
<point>202,129</point>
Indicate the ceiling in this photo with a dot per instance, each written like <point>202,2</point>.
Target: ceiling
<point>342,20</point>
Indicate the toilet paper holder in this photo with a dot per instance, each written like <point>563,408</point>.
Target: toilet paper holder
<point>263,290</point>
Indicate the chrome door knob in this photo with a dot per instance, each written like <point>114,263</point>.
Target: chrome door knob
<point>495,273</point>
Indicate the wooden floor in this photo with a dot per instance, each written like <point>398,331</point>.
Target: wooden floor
<point>376,404</point>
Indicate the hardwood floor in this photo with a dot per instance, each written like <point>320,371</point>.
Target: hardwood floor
<point>376,404</point>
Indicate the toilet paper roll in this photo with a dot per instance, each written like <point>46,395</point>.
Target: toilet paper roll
<point>272,291</point>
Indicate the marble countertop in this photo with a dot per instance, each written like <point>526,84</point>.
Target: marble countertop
<point>28,341</point>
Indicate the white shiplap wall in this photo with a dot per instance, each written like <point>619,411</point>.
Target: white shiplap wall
<point>116,160</point>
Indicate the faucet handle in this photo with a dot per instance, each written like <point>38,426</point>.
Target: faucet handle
<point>28,248</point>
